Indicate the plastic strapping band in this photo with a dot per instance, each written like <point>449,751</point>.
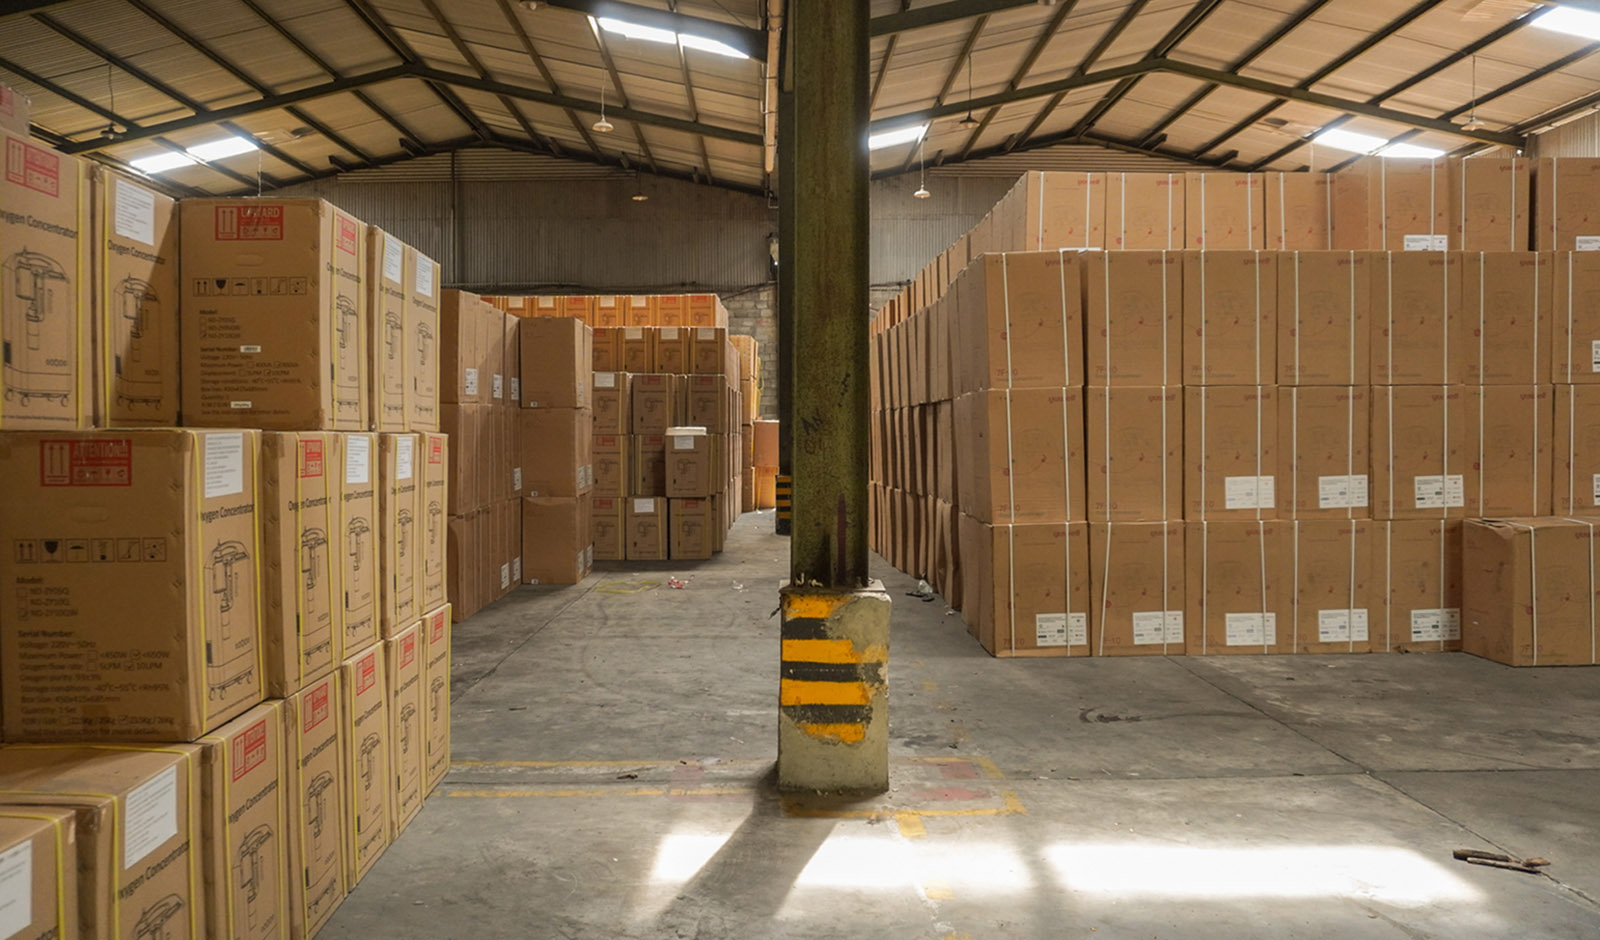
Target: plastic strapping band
<point>1294,602</point>
<point>1388,586</point>
<point>1388,287</point>
<point>1266,640</point>
<point>255,529</point>
<point>1571,289</point>
<point>1088,207</point>
<point>1011,466</point>
<point>1533,581</point>
<point>1297,326</point>
<point>1039,238</point>
<point>1350,595</point>
<point>1383,203</point>
<point>300,561</point>
<point>1203,232</point>
<point>1066,442</point>
<point>1205,589</point>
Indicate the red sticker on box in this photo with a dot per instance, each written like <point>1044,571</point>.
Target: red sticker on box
<point>98,461</point>
<point>316,707</point>
<point>368,675</point>
<point>310,460</point>
<point>249,749</point>
<point>437,627</point>
<point>408,650</point>
<point>347,235</point>
<point>251,223</point>
<point>33,167</point>
<point>7,104</point>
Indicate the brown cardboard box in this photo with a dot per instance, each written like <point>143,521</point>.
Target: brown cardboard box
<point>431,520</point>
<point>674,349</point>
<point>1419,452</point>
<point>609,311</point>
<point>1323,434</point>
<point>463,342</point>
<point>1134,318</point>
<point>648,463</point>
<point>436,697</point>
<point>1225,211</point>
<point>1577,449</point>
<point>1298,206</point>
<point>463,547</point>
<point>45,327</point>
<point>1416,585</point>
<point>1417,332</point>
<point>691,523</point>
<point>1566,192</point>
<point>611,466</point>
<point>40,846</point>
<point>556,451</point>
<point>245,826</point>
<point>15,112</point>
<point>274,331</point>
<point>1025,454</point>
<point>641,310</point>
<point>545,305</point>
<point>655,404</point>
<point>364,761</point>
<point>1506,305</point>
<point>1491,206</point>
<point>1049,211</point>
<point>511,448</point>
<point>606,355</point>
<point>399,529</point>
<point>689,463</point>
<point>1324,306</point>
<point>1230,317</point>
<point>706,310</point>
<point>385,282</point>
<point>557,540</point>
<point>358,546</point>
<point>1030,587</point>
<point>607,522</point>
<point>556,363</point>
<point>1021,322</point>
<point>710,351</point>
<point>1231,441</point>
<point>403,654</point>
<point>765,452</point>
<point>1135,454</point>
<point>647,529</point>
<point>1393,204</point>
<point>462,424</point>
<point>136,286</point>
<point>136,813</point>
<point>672,310</point>
<point>1530,590</point>
<point>302,627</point>
<point>1136,590</point>
<point>1508,466</point>
<point>1144,211</point>
<point>1330,565</point>
<point>154,638</point>
<point>705,400</point>
<point>579,308</point>
<point>1575,354</point>
<point>422,341</point>
<point>638,349</point>
<point>510,327</point>
<point>1238,587</point>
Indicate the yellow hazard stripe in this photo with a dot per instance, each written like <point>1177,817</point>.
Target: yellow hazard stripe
<point>800,692</point>
<point>848,733</point>
<point>832,651</point>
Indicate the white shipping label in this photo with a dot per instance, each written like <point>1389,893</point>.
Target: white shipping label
<point>1435,624</point>
<point>1061,629</point>
<point>394,257</point>
<point>1427,243</point>
<point>250,349</point>
<point>516,479</point>
<point>1154,627</point>
<point>1594,356</point>
<point>224,464</point>
<point>241,405</point>
<point>516,389</point>
<point>633,332</point>
<point>516,569</point>
<point>605,380</point>
<point>644,505</point>
<point>505,576</point>
<point>682,442</point>
<point>1586,243</point>
<point>1342,626</point>
<point>1252,629</point>
<point>150,817</point>
<point>135,213</point>
<point>404,456</point>
<point>497,385</point>
<point>425,276</point>
<point>1440,492</point>
<point>357,459</point>
<point>1342,492</point>
<point>469,381</point>
<point>1249,492</point>
<point>1597,489</point>
<point>16,889</point>
<point>668,333</point>
<point>708,333</point>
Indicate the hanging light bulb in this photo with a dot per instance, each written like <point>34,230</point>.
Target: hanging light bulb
<point>968,122</point>
<point>603,126</point>
<point>922,178</point>
<point>1473,124</point>
<point>922,192</point>
<point>638,189</point>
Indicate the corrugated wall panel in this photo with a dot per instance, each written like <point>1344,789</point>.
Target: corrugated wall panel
<point>907,233</point>
<point>1580,138</point>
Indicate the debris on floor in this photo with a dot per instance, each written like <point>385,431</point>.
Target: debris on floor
<point>1531,866</point>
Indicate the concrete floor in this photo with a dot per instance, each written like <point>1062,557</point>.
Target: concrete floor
<point>614,744</point>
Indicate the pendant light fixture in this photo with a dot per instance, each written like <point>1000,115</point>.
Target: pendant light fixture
<point>1473,124</point>
<point>922,176</point>
<point>638,188</point>
<point>968,122</point>
<point>603,126</point>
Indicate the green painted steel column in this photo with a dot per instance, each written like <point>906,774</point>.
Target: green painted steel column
<point>782,518</point>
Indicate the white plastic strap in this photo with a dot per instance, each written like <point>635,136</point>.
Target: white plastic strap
<point>1571,290</point>
<point>1572,448</point>
<point>1388,362</point>
<point>1297,327</point>
<point>1105,586</point>
<point>1388,394</point>
<point>1388,586</point>
<point>1350,351</point>
<point>1294,452</point>
<point>1066,369</point>
<point>1203,229</point>
<point>1039,238</point>
<point>1294,602</point>
<point>1350,594</point>
<point>1250,207</point>
<point>1258,316</point>
<point>1349,452</point>
<point>1088,206</point>
<point>1283,214</point>
<point>1011,465</point>
<point>1483,285</point>
<point>1268,637</point>
<point>1169,226</point>
<point>1444,458</point>
<point>1482,403</point>
<point>1445,309</point>
<point>1205,586</point>
<point>1383,203</point>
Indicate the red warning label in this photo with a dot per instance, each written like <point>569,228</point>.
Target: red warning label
<point>253,223</point>
<point>100,461</point>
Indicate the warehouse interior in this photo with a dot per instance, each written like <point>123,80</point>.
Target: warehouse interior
<point>1137,455</point>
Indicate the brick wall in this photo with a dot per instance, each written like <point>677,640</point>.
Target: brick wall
<point>753,312</point>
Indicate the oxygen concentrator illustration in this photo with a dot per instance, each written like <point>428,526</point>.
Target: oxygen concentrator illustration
<point>322,820</point>
<point>347,368</point>
<point>405,574</point>
<point>355,537</point>
<point>38,359</point>
<point>231,627</point>
<point>316,608</point>
<point>156,923</point>
<point>369,762</point>
<point>434,557</point>
<point>394,355</point>
<point>136,362</point>
<point>255,885</point>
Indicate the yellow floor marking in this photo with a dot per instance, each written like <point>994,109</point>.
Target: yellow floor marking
<point>1012,807</point>
<point>599,792</point>
<point>928,685</point>
<point>937,892</point>
<point>989,768</point>
<point>605,763</point>
<point>910,826</point>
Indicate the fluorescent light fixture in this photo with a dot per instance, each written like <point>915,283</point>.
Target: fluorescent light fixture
<point>218,149</point>
<point>657,34</point>
<point>902,135</point>
<point>1409,151</point>
<point>1353,142</point>
<point>1573,22</point>
<point>162,162</point>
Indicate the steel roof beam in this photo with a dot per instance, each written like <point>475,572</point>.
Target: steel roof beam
<point>751,42</point>
<point>476,64</point>
<point>544,71</point>
<point>381,28</point>
<point>1023,68</point>
<point>622,95</point>
<point>891,23</point>
<point>1185,27</point>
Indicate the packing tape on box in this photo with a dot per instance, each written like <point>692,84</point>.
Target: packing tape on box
<point>1011,477</point>
<point>1533,580</point>
<point>1571,290</point>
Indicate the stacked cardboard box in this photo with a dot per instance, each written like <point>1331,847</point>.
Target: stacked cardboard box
<point>610,311</point>
<point>556,428</point>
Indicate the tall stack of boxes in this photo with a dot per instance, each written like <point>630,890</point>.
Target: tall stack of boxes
<point>556,428</point>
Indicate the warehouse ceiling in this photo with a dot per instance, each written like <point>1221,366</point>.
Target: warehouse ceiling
<point>313,88</point>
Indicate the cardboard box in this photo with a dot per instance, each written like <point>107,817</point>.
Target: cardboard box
<point>360,532</point>
<point>706,310</point>
<point>1323,434</point>
<point>45,324</point>
<point>673,349</point>
<point>1298,207</point>
<point>136,309</point>
<point>435,697</point>
<point>607,522</point>
<point>1134,318</point>
<point>40,847</point>
<point>15,113</point>
<point>556,451</point>
<point>1506,301</point>
<point>461,348</point>
<point>274,324</point>
<point>692,523</point>
<point>510,327</point>
<point>609,311</point>
<point>655,404</point>
<point>1021,323</point>
<point>1225,211</point>
<point>1417,332</point>
<point>431,520</point>
<point>1238,587</point>
<point>648,465</point>
<point>1324,307</point>
<point>1576,457</point>
<point>606,354</point>
<point>1230,318</point>
<point>1231,442</point>
<point>638,346</point>
<point>400,521</point>
<point>558,545</point>
<point>765,449</point>
<point>316,805</point>
<point>1136,588</point>
<point>1144,211</point>
<point>641,310</point>
<point>1509,445</point>
<point>403,655</point>
<point>302,626</point>
<point>556,359</point>
<point>1392,204</point>
<point>1576,337</point>
<point>1491,206</point>
<point>1028,587</point>
<point>463,552</point>
<point>647,529</point>
<point>689,463</point>
<point>154,638</point>
<point>364,720</point>
<point>1419,452</point>
<point>612,475</point>
<point>386,305</point>
<point>710,351</point>
<point>580,308</point>
<point>422,341</point>
<point>1135,454</point>
<point>245,835</point>
<point>1530,590</point>
<point>136,817</point>
<point>705,402</point>
<point>1416,585</point>
<point>1330,571</point>
<point>672,310</point>
<point>462,425</point>
<point>1566,192</point>
<point>1024,455</point>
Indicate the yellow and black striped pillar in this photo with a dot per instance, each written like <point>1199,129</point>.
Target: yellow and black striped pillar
<point>784,502</point>
<point>833,730</point>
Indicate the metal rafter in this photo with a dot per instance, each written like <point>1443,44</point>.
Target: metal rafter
<point>1023,68</point>
<point>622,95</point>
<point>883,69</point>
<point>955,72</point>
<point>940,13</point>
<point>408,56</point>
<point>1106,39</point>
<point>694,107</point>
<point>751,42</point>
<point>1182,30</point>
<point>476,64</point>
<point>544,71</point>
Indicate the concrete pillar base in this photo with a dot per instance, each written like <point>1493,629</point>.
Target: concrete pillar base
<point>833,716</point>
